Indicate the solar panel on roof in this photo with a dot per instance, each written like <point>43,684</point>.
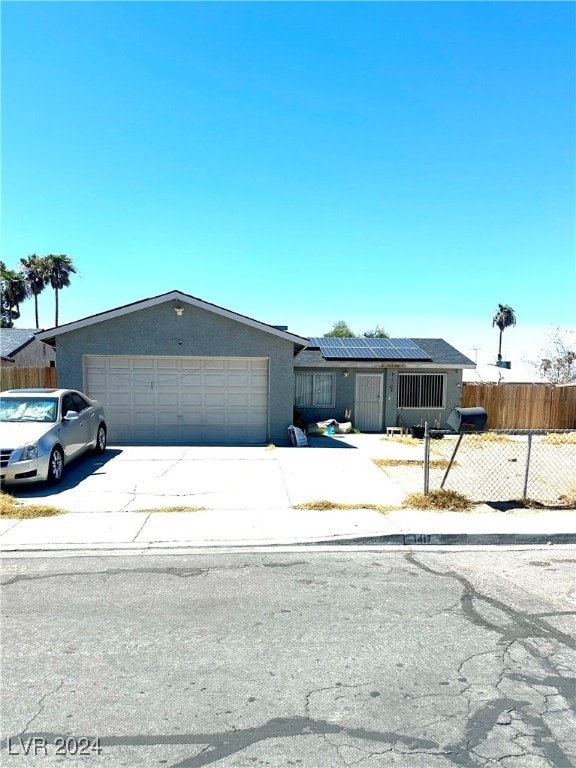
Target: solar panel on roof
<point>360,348</point>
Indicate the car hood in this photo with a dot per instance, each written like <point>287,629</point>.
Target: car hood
<point>15,434</point>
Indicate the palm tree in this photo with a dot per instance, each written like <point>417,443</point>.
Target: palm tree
<point>59,267</point>
<point>504,317</point>
<point>14,290</point>
<point>35,270</point>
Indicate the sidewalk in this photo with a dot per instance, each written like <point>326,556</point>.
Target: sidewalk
<point>249,495</point>
<point>233,528</point>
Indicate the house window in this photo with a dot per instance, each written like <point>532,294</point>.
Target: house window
<point>314,389</point>
<point>422,390</point>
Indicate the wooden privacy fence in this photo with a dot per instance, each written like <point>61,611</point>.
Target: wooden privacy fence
<point>523,406</point>
<point>16,377</point>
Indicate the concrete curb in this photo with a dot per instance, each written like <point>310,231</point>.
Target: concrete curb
<point>458,539</point>
<point>392,540</point>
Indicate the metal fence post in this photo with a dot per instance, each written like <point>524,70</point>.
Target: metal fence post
<point>528,453</point>
<point>426,459</point>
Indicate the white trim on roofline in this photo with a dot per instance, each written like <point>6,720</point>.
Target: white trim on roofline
<point>421,365</point>
<point>162,299</point>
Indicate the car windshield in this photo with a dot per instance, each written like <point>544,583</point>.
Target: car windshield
<point>28,409</point>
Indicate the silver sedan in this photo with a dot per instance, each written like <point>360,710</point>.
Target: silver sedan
<point>41,430</point>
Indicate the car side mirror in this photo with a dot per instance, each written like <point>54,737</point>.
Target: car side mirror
<point>71,415</point>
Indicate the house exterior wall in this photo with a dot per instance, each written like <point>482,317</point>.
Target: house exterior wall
<point>391,414</point>
<point>36,354</point>
<point>408,417</point>
<point>159,331</point>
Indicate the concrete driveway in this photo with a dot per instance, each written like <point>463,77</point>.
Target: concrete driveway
<point>134,478</point>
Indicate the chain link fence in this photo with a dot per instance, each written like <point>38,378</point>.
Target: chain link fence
<point>504,465</point>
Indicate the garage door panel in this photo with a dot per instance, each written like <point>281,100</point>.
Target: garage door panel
<point>259,419</point>
<point>144,398</point>
<point>121,362</point>
<point>144,418</point>
<point>214,418</point>
<point>238,399</point>
<point>191,380</point>
<point>181,400</point>
<point>120,380</point>
<point>119,399</point>
<point>121,419</point>
<point>192,400</point>
<point>240,380</point>
<point>215,380</point>
<point>215,399</point>
<point>168,399</point>
<point>193,419</point>
<point>239,364</point>
<point>140,380</point>
<point>168,419</point>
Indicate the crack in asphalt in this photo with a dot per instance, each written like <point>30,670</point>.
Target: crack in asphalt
<point>218,746</point>
<point>174,571</point>
<point>40,707</point>
<point>522,626</point>
<point>524,631</point>
<point>513,719</point>
<point>180,572</point>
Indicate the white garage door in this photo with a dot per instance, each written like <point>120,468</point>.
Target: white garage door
<point>181,400</point>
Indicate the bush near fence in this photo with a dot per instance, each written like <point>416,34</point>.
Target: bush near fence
<point>16,377</point>
<point>523,406</point>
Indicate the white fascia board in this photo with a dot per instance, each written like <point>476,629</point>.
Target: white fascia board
<point>163,299</point>
<point>419,366</point>
<point>435,366</point>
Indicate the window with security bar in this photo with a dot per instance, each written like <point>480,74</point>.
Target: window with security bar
<point>422,390</point>
<point>314,390</point>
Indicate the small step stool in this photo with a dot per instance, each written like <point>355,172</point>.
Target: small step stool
<point>391,431</point>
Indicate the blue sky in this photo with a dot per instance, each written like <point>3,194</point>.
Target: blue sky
<point>409,165</point>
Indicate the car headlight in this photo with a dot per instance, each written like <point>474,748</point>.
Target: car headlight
<point>30,451</point>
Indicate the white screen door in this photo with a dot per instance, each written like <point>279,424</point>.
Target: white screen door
<point>368,402</point>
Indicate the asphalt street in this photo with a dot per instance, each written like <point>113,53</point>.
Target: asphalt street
<point>312,659</point>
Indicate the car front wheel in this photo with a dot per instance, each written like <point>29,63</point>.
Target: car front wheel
<point>56,466</point>
<point>101,439</point>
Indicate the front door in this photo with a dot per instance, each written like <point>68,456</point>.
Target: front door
<point>368,402</point>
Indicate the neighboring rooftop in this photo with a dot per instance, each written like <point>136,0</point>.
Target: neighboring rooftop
<point>12,340</point>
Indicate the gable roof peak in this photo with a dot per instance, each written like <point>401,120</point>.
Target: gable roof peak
<point>163,298</point>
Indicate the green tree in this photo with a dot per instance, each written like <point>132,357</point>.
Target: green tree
<point>376,333</point>
<point>340,330</point>
<point>14,290</point>
<point>504,317</point>
<point>58,271</point>
<point>35,269</point>
<point>557,364</point>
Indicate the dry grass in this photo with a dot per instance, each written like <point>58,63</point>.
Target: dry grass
<point>323,505</point>
<point>491,437</point>
<point>406,439</point>
<point>560,438</point>
<point>12,508</point>
<point>172,509</point>
<point>439,500</point>
<point>434,463</point>
<point>568,500</point>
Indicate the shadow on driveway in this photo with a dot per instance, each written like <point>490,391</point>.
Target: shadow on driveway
<point>74,473</point>
<point>326,441</point>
